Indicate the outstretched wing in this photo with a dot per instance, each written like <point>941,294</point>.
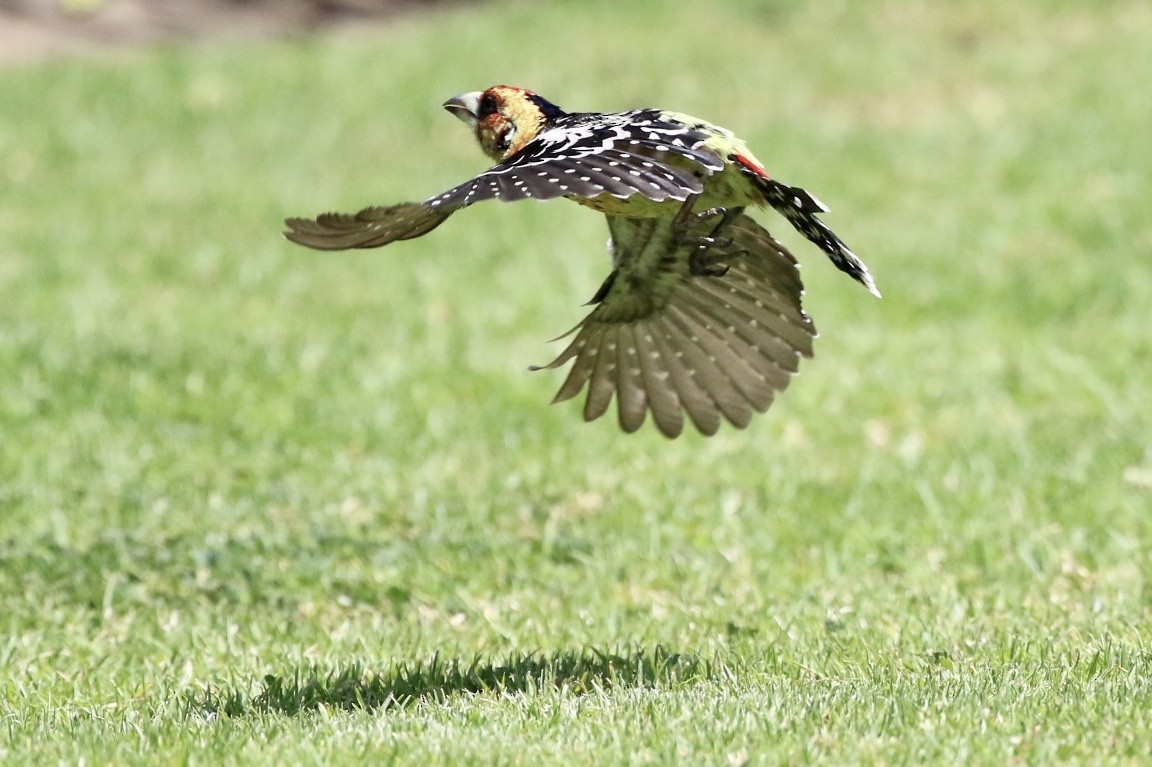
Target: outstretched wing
<point>583,155</point>
<point>370,228</point>
<point>587,155</point>
<point>666,340</point>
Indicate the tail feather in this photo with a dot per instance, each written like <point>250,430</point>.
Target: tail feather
<point>800,208</point>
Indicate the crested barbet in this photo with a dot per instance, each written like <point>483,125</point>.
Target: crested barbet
<point>701,313</point>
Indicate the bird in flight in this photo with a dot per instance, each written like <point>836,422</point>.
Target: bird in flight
<point>701,313</point>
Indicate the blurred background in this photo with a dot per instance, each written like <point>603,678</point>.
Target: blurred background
<point>37,28</point>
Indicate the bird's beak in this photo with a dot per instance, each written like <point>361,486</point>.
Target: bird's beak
<point>465,106</point>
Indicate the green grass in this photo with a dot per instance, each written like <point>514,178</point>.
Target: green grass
<point>260,505</point>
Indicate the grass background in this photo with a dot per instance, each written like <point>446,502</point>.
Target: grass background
<point>261,505</point>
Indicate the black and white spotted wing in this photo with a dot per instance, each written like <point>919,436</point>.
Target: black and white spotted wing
<point>585,155</point>
<point>588,155</point>
<point>666,341</point>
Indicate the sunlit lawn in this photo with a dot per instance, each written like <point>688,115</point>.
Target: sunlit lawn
<point>260,505</point>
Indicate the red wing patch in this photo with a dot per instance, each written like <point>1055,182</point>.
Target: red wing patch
<point>752,166</point>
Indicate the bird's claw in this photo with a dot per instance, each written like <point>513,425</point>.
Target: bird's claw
<point>704,215</point>
<point>700,263</point>
<point>704,264</point>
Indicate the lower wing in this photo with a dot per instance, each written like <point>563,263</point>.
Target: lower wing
<point>666,339</point>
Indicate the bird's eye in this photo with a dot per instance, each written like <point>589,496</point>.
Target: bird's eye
<point>487,105</point>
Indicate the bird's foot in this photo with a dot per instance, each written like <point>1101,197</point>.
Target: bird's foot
<point>704,263</point>
<point>704,260</point>
<point>728,215</point>
<point>686,217</point>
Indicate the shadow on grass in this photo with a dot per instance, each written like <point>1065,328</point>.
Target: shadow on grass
<point>436,680</point>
